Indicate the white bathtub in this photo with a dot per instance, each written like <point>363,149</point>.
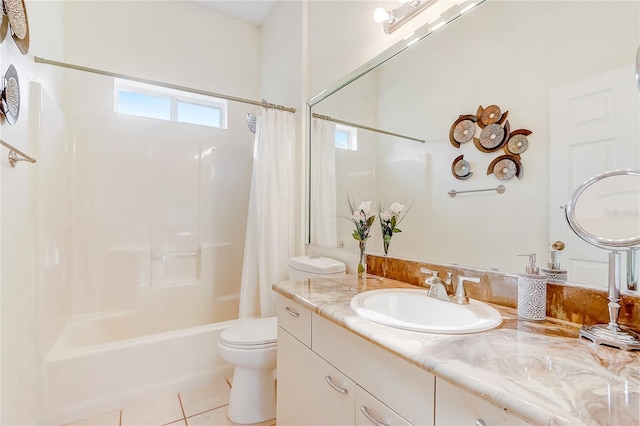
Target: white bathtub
<point>88,374</point>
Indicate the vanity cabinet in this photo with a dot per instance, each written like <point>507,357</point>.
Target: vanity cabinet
<point>455,407</point>
<point>341,379</point>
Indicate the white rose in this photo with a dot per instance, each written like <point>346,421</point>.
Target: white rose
<point>396,208</point>
<point>365,207</point>
<point>358,217</point>
<point>386,215</point>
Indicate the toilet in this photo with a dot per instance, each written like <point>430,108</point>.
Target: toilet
<point>251,348</point>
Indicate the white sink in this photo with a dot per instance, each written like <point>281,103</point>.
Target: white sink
<point>412,309</point>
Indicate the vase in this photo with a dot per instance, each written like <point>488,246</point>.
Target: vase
<point>362,262</point>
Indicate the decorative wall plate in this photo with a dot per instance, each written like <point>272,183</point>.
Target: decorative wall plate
<point>10,99</point>
<point>17,15</point>
<point>492,137</point>
<point>518,142</point>
<point>505,167</point>
<point>462,130</point>
<point>490,115</point>
<point>4,25</point>
<point>460,168</point>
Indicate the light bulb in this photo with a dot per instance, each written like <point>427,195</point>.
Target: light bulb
<point>380,15</point>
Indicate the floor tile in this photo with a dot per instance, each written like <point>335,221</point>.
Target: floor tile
<point>154,411</point>
<point>205,399</point>
<point>178,423</point>
<point>107,419</point>
<point>217,417</point>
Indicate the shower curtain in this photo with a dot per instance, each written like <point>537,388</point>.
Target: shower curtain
<point>323,183</point>
<point>269,241</point>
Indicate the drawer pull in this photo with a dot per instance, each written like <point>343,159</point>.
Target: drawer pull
<point>372,419</point>
<point>343,391</point>
<point>291,312</point>
<point>480,422</point>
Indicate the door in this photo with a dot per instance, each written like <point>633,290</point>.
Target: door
<point>593,128</point>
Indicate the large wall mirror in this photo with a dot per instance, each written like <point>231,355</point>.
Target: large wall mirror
<point>565,70</point>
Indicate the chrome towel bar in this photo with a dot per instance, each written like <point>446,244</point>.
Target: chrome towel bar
<point>16,155</point>
<point>500,190</point>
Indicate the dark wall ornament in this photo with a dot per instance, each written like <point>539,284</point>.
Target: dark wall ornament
<point>460,168</point>
<point>15,13</point>
<point>495,134</point>
<point>505,167</point>
<point>462,130</point>
<point>518,142</point>
<point>492,137</point>
<point>490,115</point>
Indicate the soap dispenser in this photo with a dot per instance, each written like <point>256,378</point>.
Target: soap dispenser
<point>532,292</point>
<point>553,270</point>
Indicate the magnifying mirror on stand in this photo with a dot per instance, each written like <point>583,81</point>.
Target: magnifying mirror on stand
<point>605,212</point>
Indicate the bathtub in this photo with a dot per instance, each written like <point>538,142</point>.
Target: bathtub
<point>90,370</point>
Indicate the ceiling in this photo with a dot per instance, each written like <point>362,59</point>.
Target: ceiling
<point>253,12</point>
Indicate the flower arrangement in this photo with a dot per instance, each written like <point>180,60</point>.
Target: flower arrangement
<point>363,220</point>
<point>390,218</point>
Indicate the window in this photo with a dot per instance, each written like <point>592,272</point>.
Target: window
<point>346,137</point>
<point>145,100</point>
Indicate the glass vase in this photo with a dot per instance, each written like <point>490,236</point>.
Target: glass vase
<point>362,262</point>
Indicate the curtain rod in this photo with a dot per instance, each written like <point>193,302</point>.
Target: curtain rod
<point>360,126</point>
<point>264,104</point>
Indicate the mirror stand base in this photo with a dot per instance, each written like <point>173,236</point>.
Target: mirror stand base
<point>618,337</point>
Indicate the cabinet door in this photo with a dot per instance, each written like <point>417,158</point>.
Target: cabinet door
<point>456,407</point>
<point>371,412</point>
<point>311,391</point>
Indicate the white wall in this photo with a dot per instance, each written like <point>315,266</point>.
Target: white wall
<point>28,224</point>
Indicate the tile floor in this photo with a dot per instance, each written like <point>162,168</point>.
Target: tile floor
<point>200,407</point>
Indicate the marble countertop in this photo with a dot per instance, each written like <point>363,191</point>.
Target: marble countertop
<point>541,371</point>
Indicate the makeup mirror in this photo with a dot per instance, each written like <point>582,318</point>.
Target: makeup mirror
<point>605,212</point>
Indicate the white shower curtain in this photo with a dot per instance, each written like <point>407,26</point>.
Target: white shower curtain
<point>269,242</point>
<point>323,183</point>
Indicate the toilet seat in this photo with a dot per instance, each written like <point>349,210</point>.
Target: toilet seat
<point>255,334</point>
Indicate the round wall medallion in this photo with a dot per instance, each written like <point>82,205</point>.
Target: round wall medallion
<point>518,144</point>
<point>460,168</point>
<point>17,16</point>
<point>492,136</point>
<point>505,169</point>
<point>490,115</point>
<point>10,102</point>
<point>464,131</point>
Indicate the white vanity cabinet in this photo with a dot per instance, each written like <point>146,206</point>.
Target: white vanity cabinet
<point>341,379</point>
<point>456,407</point>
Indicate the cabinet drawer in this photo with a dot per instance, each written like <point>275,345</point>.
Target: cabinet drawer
<point>295,319</point>
<point>311,392</point>
<point>401,385</point>
<point>371,412</point>
<point>456,407</point>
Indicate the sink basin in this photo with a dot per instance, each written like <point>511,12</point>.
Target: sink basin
<point>412,309</point>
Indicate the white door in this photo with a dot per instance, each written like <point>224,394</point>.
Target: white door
<point>593,128</point>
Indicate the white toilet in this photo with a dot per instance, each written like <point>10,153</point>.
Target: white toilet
<point>251,348</point>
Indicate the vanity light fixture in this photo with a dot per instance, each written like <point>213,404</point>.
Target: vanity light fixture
<point>407,9</point>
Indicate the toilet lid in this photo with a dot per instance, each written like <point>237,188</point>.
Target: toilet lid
<point>258,332</point>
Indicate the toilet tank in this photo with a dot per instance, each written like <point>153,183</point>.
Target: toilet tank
<point>303,267</point>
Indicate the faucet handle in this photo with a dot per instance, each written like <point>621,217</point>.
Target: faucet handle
<point>461,295</point>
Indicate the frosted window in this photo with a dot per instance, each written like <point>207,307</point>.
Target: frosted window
<point>144,105</point>
<point>152,101</point>
<point>199,114</point>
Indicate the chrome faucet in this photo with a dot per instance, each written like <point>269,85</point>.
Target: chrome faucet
<point>443,290</point>
<point>461,295</point>
<point>435,285</point>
